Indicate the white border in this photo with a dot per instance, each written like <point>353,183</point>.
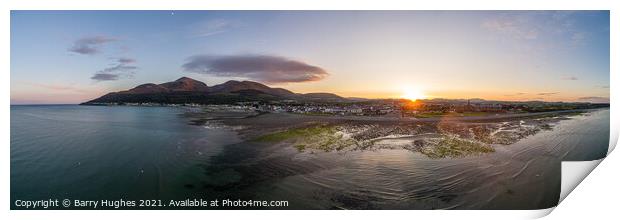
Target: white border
<point>301,5</point>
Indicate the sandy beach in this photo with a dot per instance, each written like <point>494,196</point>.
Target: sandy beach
<point>436,137</point>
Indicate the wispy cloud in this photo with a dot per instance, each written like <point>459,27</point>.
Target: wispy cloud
<point>89,45</point>
<point>213,27</point>
<point>516,94</point>
<point>264,68</point>
<point>105,77</point>
<point>547,93</point>
<point>558,25</point>
<point>125,60</point>
<point>512,27</point>
<point>121,69</point>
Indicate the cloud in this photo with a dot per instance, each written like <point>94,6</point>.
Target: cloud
<point>115,72</point>
<point>605,87</point>
<point>594,99</point>
<point>264,68</point>
<point>570,78</point>
<point>126,60</point>
<point>547,93</point>
<point>213,27</point>
<point>89,45</point>
<point>516,94</point>
<point>119,68</point>
<point>104,77</point>
<point>559,26</point>
<point>512,27</point>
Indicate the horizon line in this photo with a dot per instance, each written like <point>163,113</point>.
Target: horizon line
<point>371,99</point>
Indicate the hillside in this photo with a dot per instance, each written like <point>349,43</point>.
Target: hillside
<point>187,90</point>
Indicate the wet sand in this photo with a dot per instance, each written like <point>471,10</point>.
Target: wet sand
<point>494,129</point>
<point>521,175</point>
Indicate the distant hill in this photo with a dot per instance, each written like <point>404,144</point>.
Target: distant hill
<point>235,86</point>
<point>187,90</point>
<point>186,84</point>
<point>322,96</point>
<point>183,84</point>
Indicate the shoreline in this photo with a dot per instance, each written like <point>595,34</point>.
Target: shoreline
<point>434,137</point>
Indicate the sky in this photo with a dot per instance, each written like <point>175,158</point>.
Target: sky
<point>63,57</point>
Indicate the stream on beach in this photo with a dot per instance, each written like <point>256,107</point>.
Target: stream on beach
<point>96,152</point>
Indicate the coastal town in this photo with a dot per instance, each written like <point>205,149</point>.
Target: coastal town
<point>389,107</point>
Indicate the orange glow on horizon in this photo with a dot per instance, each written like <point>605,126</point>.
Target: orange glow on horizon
<point>413,94</point>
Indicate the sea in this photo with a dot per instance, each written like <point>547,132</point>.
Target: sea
<point>155,153</point>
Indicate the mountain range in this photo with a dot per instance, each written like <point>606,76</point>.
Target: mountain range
<point>188,90</point>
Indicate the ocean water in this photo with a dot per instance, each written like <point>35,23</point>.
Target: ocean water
<point>91,152</point>
<point>96,152</point>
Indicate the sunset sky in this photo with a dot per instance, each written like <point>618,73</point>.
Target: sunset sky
<point>75,56</point>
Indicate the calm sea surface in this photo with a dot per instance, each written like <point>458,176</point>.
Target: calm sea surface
<point>96,152</point>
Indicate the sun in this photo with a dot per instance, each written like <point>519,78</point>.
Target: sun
<point>412,94</point>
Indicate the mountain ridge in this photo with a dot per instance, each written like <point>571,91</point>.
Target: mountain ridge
<point>187,90</point>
